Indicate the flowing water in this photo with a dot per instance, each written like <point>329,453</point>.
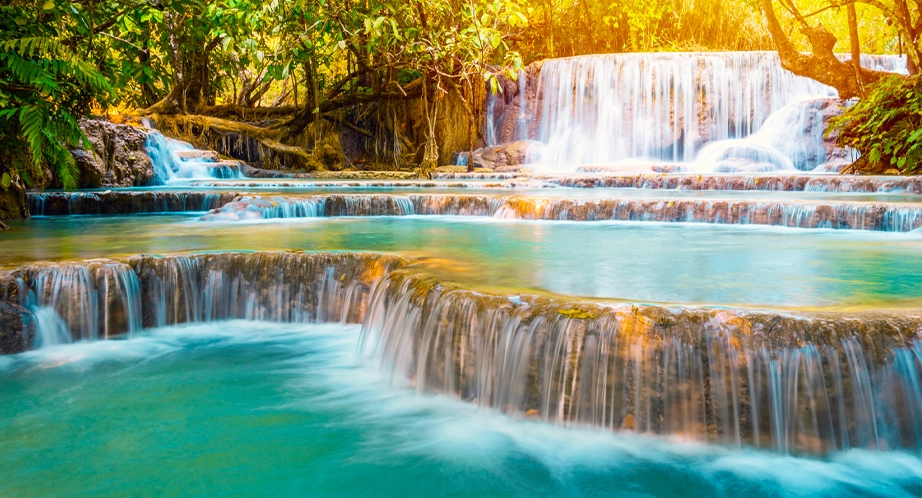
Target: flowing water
<point>176,161</point>
<point>724,112</point>
<point>643,261</point>
<point>739,329</point>
<point>255,409</point>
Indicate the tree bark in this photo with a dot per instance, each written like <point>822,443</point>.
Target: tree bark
<point>191,78</point>
<point>822,65</point>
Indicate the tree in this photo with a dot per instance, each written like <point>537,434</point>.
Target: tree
<point>847,77</point>
<point>46,85</point>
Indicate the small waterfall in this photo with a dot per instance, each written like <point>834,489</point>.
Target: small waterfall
<point>603,109</point>
<point>96,299</point>
<point>368,205</point>
<point>177,161</point>
<point>249,208</point>
<point>282,287</point>
<point>843,216</point>
<point>103,299</point>
<point>50,329</point>
<point>887,63</point>
<point>116,202</point>
<point>791,138</point>
<point>794,214</point>
<point>786,183</point>
<point>254,208</point>
<point>790,384</point>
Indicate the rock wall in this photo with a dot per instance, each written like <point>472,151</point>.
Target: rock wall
<point>17,328</point>
<point>13,203</point>
<point>117,157</point>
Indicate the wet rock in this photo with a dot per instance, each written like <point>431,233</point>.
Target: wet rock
<point>120,202</point>
<point>516,110</point>
<point>699,373</point>
<point>13,204</point>
<point>117,156</point>
<point>199,155</point>
<point>17,328</point>
<point>506,157</point>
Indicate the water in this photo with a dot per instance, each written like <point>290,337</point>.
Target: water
<point>605,109</point>
<point>176,161</point>
<point>265,410</point>
<point>702,375</point>
<point>635,261</point>
<point>703,335</point>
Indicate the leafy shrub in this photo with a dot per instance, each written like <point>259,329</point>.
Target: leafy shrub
<point>885,126</point>
<point>45,86</point>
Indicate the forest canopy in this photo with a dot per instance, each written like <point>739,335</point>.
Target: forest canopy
<point>289,70</point>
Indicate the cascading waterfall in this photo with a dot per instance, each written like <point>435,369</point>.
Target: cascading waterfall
<point>113,202</point>
<point>812,383</point>
<point>793,385</point>
<point>603,109</point>
<point>101,299</point>
<point>790,139</point>
<point>776,182</point>
<point>177,161</point>
<point>72,302</point>
<point>250,208</point>
<point>282,287</point>
<point>846,215</point>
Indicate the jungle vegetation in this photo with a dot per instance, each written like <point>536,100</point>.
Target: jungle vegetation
<point>282,75</point>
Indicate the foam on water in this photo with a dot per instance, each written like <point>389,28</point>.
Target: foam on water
<point>603,109</point>
<point>387,440</point>
<point>172,167</point>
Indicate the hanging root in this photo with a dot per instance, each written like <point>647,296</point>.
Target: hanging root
<point>248,142</point>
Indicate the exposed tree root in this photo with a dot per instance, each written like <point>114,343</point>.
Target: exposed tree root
<point>822,65</point>
<point>216,133</point>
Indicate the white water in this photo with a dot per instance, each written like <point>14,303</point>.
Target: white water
<point>603,109</point>
<point>171,168</point>
<point>50,328</point>
<point>321,376</point>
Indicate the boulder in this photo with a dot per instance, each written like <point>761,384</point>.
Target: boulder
<point>13,203</point>
<point>17,328</point>
<point>506,156</point>
<point>117,157</point>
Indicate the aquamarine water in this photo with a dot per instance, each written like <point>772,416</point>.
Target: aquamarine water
<point>256,409</point>
<point>634,261</point>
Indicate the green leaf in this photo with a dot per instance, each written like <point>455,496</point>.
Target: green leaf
<point>6,180</point>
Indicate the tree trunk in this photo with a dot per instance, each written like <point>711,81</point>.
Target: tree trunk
<point>190,90</point>
<point>822,65</point>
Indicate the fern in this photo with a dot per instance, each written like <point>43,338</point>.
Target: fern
<point>49,80</point>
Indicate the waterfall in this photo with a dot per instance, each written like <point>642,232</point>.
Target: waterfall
<point>603,109</point>
<point>812,383</point>
<point>772,182</point>
<point>846,215</point>
<point>175,161</point>
<point>50,329</point>
<point>115,202</point>
<point>101,299</point>
<point>792,385</point>
<point>72,302</point>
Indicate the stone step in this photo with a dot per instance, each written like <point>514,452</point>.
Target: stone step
<point>198,155</point>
